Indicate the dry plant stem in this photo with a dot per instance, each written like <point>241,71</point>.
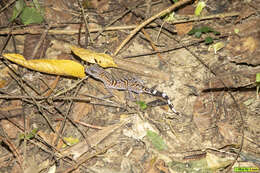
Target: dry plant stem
<point>151,42</point>
<point>70,88</point>
<point>84,124</point>
<point>145,70</point>
<point>15,97</point>
<point>57,153</point>
<point>53,86</point>
<point>89,125</point>
<point>28,30</point>
<point>116,19</point>
<point>89,157</point>
<point>7,5</point>
<point>111,23</point>
<point>192,18</point>
<point>41,142</point>
<point>180,46</point>
<point>44,98</point>
<point>168,10</point>
<point>66,116</point>
<point>43,36</point>
<point>158,21</point>
<point>86,25</point>
<point>14,150</point>
<point>148,4</point>
<point>36,104</point>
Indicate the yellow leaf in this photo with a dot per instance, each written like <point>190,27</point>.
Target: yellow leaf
<point>70,141</point>
<point>102,59</point>
<point>50,66</point>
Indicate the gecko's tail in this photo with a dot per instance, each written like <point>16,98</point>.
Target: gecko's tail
<point>163,95</point>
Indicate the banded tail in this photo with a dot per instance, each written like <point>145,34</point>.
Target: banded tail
<point>163,95</point>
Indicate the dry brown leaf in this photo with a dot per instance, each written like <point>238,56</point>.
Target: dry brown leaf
<point>184,28</point>
<point>10,129</point>
<point>90,56</point>
<point>80,110</point>
<point>227,131</point>
<point>100,5</point>
<point>80,148</point>
<point>202,114</point>
<point>5,77</point>
<point>150,166</point>
<point>246,48</point>
<point>50,66</point>
<point>13,109</point>
<point>3,83</point>
<point>56,11</point>
<point>50,138</point>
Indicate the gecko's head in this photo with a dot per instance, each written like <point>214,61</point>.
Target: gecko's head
<point>93,70</point>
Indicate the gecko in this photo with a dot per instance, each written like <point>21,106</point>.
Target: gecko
<point>126,83</point>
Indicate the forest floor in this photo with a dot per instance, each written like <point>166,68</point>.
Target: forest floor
<point>59,123</point>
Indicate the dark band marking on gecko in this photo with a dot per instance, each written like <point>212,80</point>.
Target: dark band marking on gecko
<point>126,83</point>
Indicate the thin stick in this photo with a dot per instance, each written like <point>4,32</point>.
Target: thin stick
<point>7,5</point>
<point>30,30</point>
<point>138,28</point>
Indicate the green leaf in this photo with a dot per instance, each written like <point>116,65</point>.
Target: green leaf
<point>192,31</point>
<point>257,80</point>
<point>31,15</point>
<point>156,140</point>
<point>30,135</point>
<point>142,105</point>
<point>18,8</point>
<point>216,32</point>
<point>170,17</point>
<point>198,34</point>
<point>199,8</point>
<point>208,40</point>
<point>236,30</point>
<point>205,29</point>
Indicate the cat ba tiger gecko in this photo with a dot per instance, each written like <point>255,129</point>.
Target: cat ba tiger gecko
<point>125,83</point>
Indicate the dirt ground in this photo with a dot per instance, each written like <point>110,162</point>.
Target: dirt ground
<point>58,123</point>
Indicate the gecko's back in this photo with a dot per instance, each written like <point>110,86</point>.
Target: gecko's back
<point>129,84</point>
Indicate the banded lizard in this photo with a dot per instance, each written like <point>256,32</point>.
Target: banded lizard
<point>128,84</point>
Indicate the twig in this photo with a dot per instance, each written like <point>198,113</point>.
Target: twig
<point>43,36</point>
<point>7,5</point>
<point>14,150</point>
<point>36,104</point>
<point>30,30</point>
<point>70,88</point>
<point>87,33</point>
<point>116,19</point>
<point>138,28</point>
<point>179,46</point>
<point>84,124</point>
<point>89,157</point>
<point>111,23</point>
<point>151,43</point>
<point>192,18</point>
